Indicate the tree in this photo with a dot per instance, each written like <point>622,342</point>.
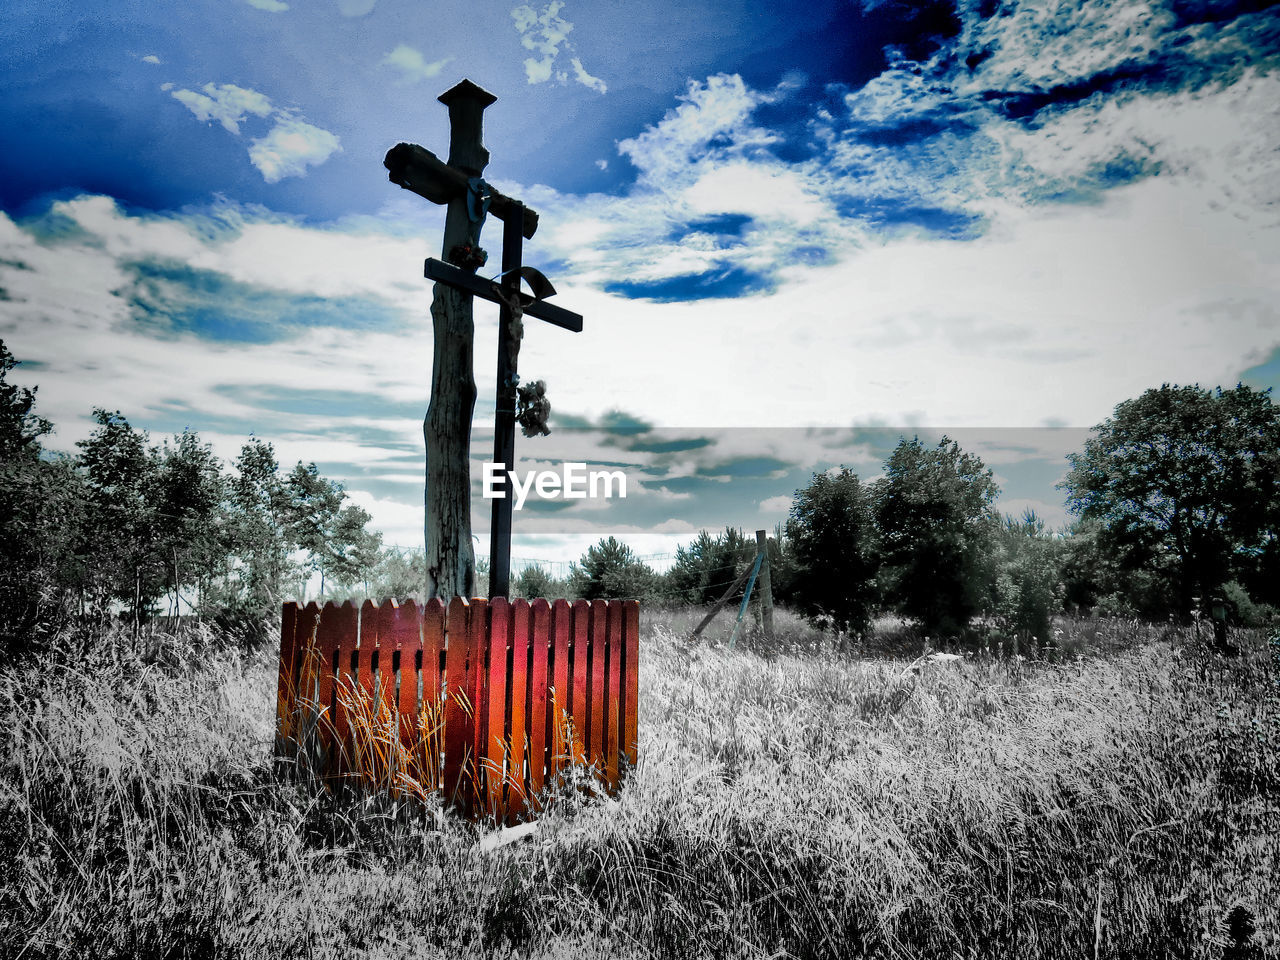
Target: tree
<point>400,574</point>
<point>353,549</point>
<point>42,508</point>
<point>831,533</point>
<point>20,429</point>
<point>534,582</point>
<point>314,504</point>
<point>708,565</point>
<point>1028,588</point>
<point>610,570</point>
<point>1185,483</point>
<point>122,474</point>
<point>189,515</point>
<point>934,512</point>
<point>260,503</point>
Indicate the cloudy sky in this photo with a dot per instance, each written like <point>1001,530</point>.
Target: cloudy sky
<point>795,232</point>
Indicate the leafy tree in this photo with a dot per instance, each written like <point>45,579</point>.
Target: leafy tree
<point>610,570</point>
<point>400,574</point>
<point>314,505</point>
<point>832,539</point>
<point>261,515</point>
<point>533,582</point>
<point>42,506</point>
<point>934,512</point>
<point>1185,484</point>
<point>20,429</point>
<point>190,519</point>
<point>353,550</point>
<point>703,570</point>
<point>1028,587</point>
<point>122,474</point>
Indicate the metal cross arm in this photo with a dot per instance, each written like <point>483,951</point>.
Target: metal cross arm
<point>447,273</point>
<point>418,169</point>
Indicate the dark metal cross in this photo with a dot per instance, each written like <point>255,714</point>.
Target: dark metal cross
<point>458,184</point>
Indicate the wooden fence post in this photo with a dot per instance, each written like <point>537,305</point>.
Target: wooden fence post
<point>766,584</point>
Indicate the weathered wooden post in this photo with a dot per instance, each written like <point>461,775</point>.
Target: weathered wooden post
<point>766,584</point>
<point>447,427</point>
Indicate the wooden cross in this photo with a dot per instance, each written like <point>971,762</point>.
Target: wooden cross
<point>447,427</point>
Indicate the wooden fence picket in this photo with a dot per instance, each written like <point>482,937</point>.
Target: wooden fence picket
<point>540,627</point>
<point>491,701</point>
<point>459,712</point>
<point>348,625</point>
<point>613,671</point>
<point>631,684</point>
<point>560,704</point>
<point>518,697</point>
<point>496,765</point>
<point>581,679</point>
<point>408,631</point>
<point>289,677</point>
<point>599,683</point>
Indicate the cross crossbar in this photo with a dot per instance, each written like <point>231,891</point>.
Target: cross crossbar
<point>453,276</point>
<point>419,170</point>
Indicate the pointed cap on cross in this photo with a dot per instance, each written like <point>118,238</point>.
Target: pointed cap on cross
<point>466,90</point>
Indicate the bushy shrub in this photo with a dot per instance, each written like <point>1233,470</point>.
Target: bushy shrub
<point>609,570</point>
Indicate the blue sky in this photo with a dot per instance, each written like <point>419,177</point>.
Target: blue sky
<point>795,231</point>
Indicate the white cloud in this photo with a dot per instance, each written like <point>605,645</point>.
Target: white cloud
<point>412,64</point>
<point>271,6</point>
<point>767,192</point>
<point>778,504</point>
<point>226,103</point>
<point>290,147</point>
<point>152,58</point>
<point>286,150</point>
<point>546,34</point>
<point>586,79</point>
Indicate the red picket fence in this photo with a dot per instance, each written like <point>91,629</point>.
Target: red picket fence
<point>489,702</point>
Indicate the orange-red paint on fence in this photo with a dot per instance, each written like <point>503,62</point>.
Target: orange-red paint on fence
<point>486,701</point>
<point>559,700</point>
<point>540,617</point>
<point>581,678</point>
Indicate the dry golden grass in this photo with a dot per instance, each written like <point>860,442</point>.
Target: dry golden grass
<point>1118,800</point>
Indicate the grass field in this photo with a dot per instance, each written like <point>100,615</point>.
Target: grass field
<point>1115,796</point>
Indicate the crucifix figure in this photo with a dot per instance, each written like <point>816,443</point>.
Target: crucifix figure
<point>447,427</point>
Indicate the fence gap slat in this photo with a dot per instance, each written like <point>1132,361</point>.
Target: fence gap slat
<point>613,669</point>
<point>560,701</point>
<point>631,673</point>
<point>599,683</point>
<point>581,679</point>
<point>540,623</point>
<point>497,728</point>
<point>518,696</point>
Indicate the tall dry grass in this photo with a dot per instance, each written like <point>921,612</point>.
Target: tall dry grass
<point>1117,800</point>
